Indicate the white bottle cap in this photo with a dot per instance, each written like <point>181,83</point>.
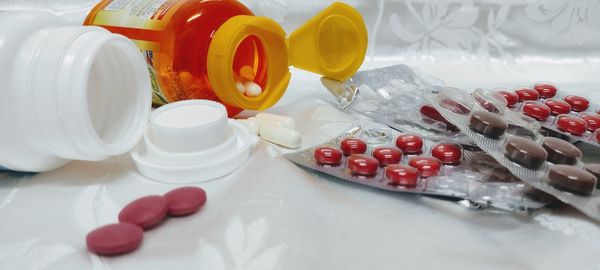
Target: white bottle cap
<point>192,141</point>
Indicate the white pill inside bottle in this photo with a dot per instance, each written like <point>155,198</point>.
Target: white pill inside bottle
<point>252,89</point>
<point>240,87</point>
<point>285,137</point>
<point>284,121</point>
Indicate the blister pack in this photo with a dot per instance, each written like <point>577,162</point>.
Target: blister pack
<point>375,155</point>
<point>570,117</point>
<point>394,96</point>
<point>549,164</point>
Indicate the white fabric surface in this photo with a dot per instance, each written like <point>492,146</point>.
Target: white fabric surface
<point>273,215</point>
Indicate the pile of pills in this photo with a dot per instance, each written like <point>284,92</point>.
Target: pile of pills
<point>568,114</point>
<point>246,85</point>
<point>274,128</point>
<point>143,214</point>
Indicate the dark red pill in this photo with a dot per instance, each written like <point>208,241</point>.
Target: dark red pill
<point>546,90</point>
<point>578,104</point>
<point>401,175</point>
<point>146,212</point>
<point>536,110</point>
<point>363,165</point>
<point>353,146</point>
<point>511,98</point>
<point>185,201</point>
<point>454,106</point>
<point>558,106</point>
<point>592,120</point>
<point>448,153</point>
<point>432,113</point>
<point>410,144</point>
<point>571,124</point>
<point>428,166</point>
<point>328,156</point>
<point>115,239</point>
<point>526,94</point>
<point>597,136</point>
<point>387,155</point>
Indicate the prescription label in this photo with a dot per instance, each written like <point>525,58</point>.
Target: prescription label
<point>139,14</point>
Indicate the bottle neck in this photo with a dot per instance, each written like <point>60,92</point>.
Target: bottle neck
<point>90,91</point>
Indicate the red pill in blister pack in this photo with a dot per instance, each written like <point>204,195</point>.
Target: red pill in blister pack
<point>578,104</point>
<point>558,106</point>
<point>401,175</point>
<point>351,146</point>
<point>427,166</point>
<point>410,144</point>
<point>571,124</point>
<point>433,114</point>
<point>526,94</point>
<point>592,120</point>
<point>363,165</point>
<point>448,153</point>
<point>546,90</point>
<point>387,155</point>
<point>536,110</point>
<point>328,156</point>
<point>511,98</point>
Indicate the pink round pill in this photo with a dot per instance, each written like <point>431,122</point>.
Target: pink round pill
<point>115,239</point>
<point>185,201</point>
<point>146,212</point>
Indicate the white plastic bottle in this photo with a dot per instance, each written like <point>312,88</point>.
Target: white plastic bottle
<point>67,92</point>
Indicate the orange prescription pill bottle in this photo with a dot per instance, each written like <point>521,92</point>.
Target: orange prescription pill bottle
<point>209,49</point>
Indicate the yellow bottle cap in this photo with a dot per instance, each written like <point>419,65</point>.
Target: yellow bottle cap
<point>333,44</point>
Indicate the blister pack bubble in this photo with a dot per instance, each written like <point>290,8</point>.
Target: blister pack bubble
<point>549,164</point>
<point>393,96</point>
<point>374,155</point>
<point>570,117</point>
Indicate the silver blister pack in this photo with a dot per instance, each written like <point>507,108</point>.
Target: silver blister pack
<point>570,117</point>
<point>475,178</point>
<point>549,164</point>
<point>393,96</point>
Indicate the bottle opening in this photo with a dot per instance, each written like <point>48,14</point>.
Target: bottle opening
<point>116,110</point>
<point>338,43</point>
<point>250,67</point>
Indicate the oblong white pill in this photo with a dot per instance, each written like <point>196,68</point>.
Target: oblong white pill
<point>251,124</point>
<point>252,89</point>
<point>285,137</point>
<point>287,122</point>
<point>240,87</point>
<point>264,122</point>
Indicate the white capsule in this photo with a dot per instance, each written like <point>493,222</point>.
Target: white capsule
<point>285,121</point>
<point>252,89</point>
<point>263,122</point>
<point>240,87</point>
<point>251,124</point>
<point>285,137</point>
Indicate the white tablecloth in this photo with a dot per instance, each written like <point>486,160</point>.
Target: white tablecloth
<point>273,215</point>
